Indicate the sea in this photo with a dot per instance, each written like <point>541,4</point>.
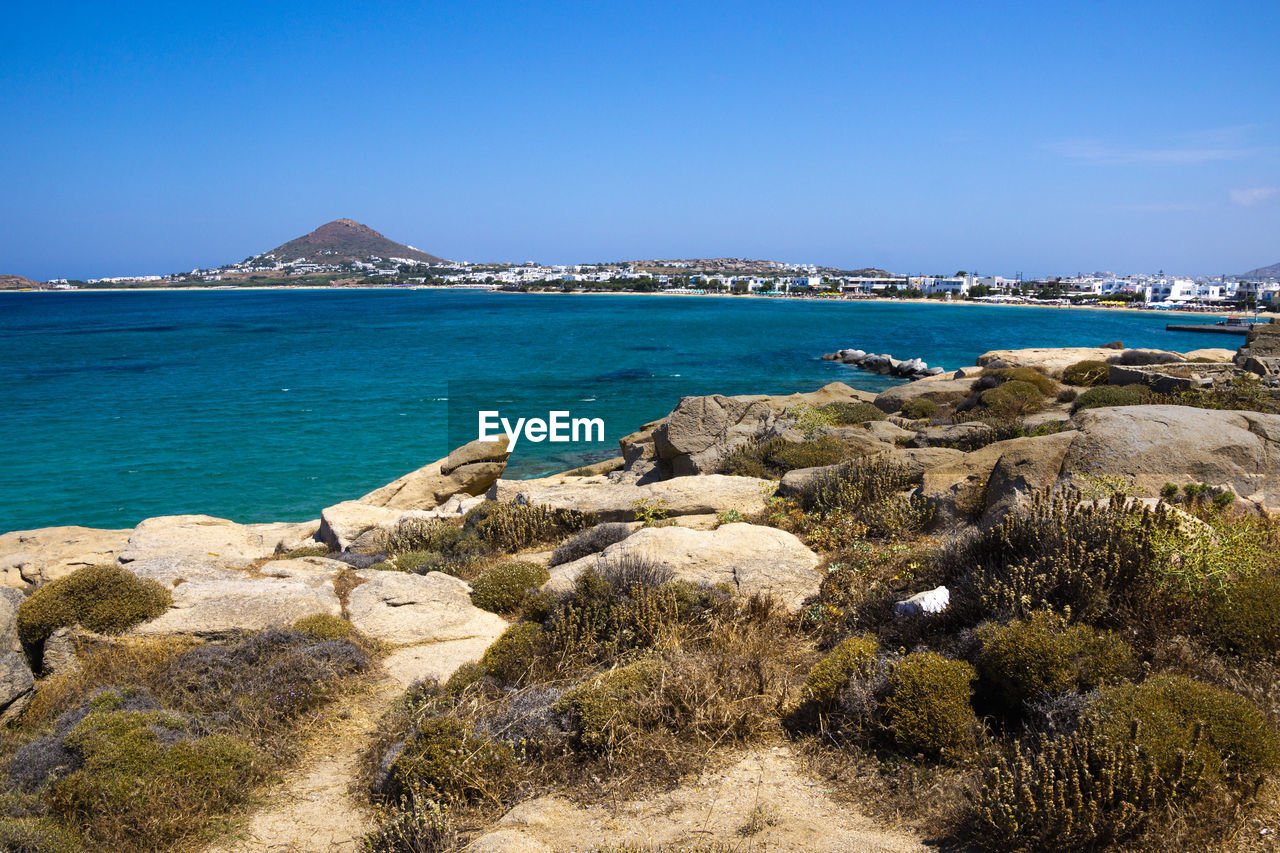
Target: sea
<point>270,405</point>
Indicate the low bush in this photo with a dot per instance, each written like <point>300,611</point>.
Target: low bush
<point>919,408</point>
<point>1029,660</point>
<point>1246,620</point>
<point>36,835</point>
<point>774,457</point>
<point>448,761</point>
<point>604,710</point>
<point>590,541</point>
<point>324,626</point>
<point>830,675</point>
<point>1171,718</point>
<point>503,588</point>
<point>927,710</point>
<point>513,657</point>
<point>1012,399</point>
<point>509,527</point>
<point>420,535</point>
<point>1041,382</point>
<point>845,414</point>
<point>307,551</point>
<point>1080,791</point>
<point>148,781</point>
<point>1102,396</point>
<point>1087,373</point>
<point>105,599</point>
<point>864,497</point>
<point>414,823</point>
<point>1059,555</point>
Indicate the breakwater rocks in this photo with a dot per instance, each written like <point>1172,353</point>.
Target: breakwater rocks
<point>911,368</point>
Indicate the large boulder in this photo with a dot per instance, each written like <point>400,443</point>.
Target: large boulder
<point>344,523</point>
<point>408,609</point>
<point>16,681</point>
<point>981,486</point>
<point>470,469</point>
<point>938,390</point>
<point>701,430</point>
<point>30,558</point>
<point>217,602</point>
<point>215,541</point>
<point>681,496</point>
<point>1154,445</point>
<point>1052,360</point>
<point>750,558</point>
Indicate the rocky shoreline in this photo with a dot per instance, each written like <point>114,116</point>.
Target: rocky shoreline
<point>674,498</point>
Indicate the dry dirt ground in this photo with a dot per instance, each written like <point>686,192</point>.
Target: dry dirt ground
<point>759,802</point>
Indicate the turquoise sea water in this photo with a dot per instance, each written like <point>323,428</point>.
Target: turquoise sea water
<point>269,405</point>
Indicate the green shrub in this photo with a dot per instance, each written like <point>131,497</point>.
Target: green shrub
<point>1080,791</point>
<point>448,761</point>
<point>426,535</point>
<point>927,709</point>
<point>844,414</point>
<point>1102,396</point>
<point>415,823</point>
<point>307,551</point>
<point>610,614</point>
<point>919,408</point>
<point>1042,383</point>
<point>1169,491</point>
<point>1039,658</point>
<point>1087,373</point>
<point>1058,555</point>
<point>515,655</point>
<point>509,527</point>
<point>106,599</point>
<point>774,457</point>
<point>36,835</point>
<point>1068,395</point>
<point>1177,717</point>
<point>503,588</point>
<point>603,710</point>
<point>1012,399</point>
<point>1246,620</point>
<point>863,497</point>
<point>147,782</point>
<point>324,626</point>
<point>830,675</point>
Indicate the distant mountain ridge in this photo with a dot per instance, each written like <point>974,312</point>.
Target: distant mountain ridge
<point>346,240</point>
<point>1272,271</point>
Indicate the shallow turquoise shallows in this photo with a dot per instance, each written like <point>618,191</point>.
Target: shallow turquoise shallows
<point>269,405</point>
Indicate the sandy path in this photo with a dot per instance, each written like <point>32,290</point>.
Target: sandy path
<point>313,812</point>
<point>762,801</point>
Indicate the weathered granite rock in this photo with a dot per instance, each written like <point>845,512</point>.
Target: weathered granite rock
<point>408,609</point>
<point>436,661</point>
<point>969,488</point>
<point>1216,355</point>
<point>887,432</point>
<point>219,604</point>
<point>60,653</point>
<point>30,558</point>
<point>1052,360</point>
<point>344,523</point>
<point>701,430</point>
<point>470,469</point>
<point>610,501</point>
<point>751,558</point>
<point>952,434</point>
<point>938,390</point>
<point>16,681</point>
<point>640,456</point>
<point>215,541</point>
<point>1155,445</point>
<point>913,460</point>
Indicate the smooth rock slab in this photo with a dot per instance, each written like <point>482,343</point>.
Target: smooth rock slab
<point>408,665</point>
<point>245,603</point>
<point>709,494</point>
<point>749,557</point>
<point>344,523</point>
<point>408,609</point>
<point>470,469</point>
<point>216,541</point>
<point>34,557</point>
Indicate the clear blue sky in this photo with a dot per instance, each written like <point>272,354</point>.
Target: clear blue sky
<point>917,136</point>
